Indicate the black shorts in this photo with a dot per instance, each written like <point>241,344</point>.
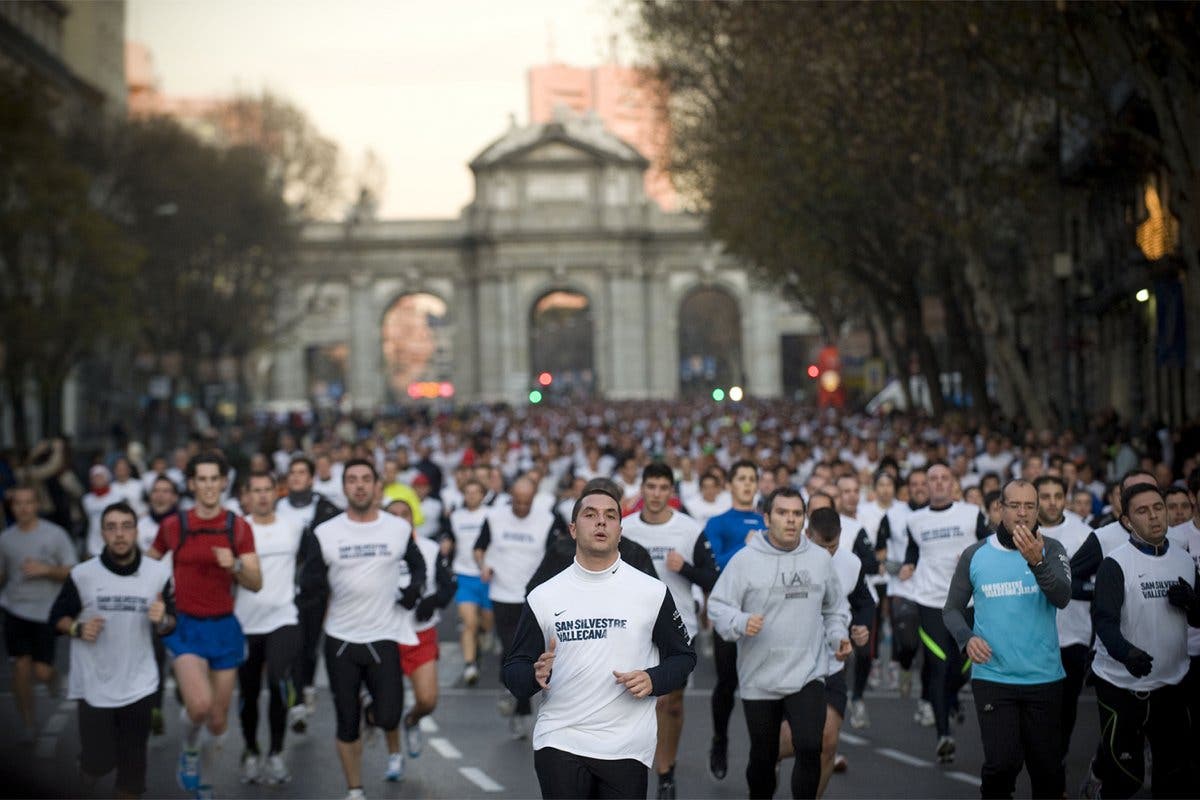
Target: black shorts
<point>24,637</point>
<point>835,691</point>
<point>115,738</point>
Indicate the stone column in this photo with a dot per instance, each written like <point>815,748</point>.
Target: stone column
<point>661,334</point>
<point>628,351</point>
<point>760,345</point>
<point>366,357</point>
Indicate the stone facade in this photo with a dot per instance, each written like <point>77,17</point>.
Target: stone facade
<point>559,206</point>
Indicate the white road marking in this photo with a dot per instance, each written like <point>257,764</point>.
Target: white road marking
<point>903,758</point>
<point>850,738</point>
<point>478,777</point>
<point>964,777</point>
<point>428,725</point>
<point>445,748</point>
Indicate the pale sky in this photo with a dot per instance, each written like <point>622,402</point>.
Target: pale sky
<point>425,85</point>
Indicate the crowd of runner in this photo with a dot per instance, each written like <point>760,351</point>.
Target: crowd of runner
<point>242,561</point>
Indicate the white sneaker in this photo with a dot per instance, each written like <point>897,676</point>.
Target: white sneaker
<point>356,794</point>
<point>298,718</point>
<point>945,750</point>
<point>395,767</point>
<point>276,770</point>
<point>310,699</point>
<point>251,768</point>
<point>858,715</point>
<point>506,705</point>
<point>519,725</point>
<point>924,714</point>
<point>413,739</point>
<point>470,675</point>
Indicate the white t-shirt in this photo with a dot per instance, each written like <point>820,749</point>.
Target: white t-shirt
<point>514,551</point>
<point>118,668</point>
<point>429,552</point>
<point>1074,621</point>
<point>941,536</point>
<point>131,491</point>
<point>274,605</point>
<point>680,534</point>
<point>466,524</point>
<point>363,565</point>
<point>702,510</point>
<point>93,507</point>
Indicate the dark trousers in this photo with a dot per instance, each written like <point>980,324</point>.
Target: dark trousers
<point>947,672</point>
<point>276,652</point>
<point>160,661</point>
<point>805,713</point>
<point>375,665</point>
<point>1020,726</point>
<point>566,775</point>
<point>725,659</point>
<point>115,738</point>
<point>312,620</point>
<point>1192,685</point>
<point>1075,662</point>
<point>507,616</point>
<point>906,624</point>
<point>1127,719</point>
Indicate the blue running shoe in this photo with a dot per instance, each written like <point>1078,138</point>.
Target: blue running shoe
<point>189,770</point>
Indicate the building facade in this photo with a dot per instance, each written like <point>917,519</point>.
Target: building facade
<point>560,267</point>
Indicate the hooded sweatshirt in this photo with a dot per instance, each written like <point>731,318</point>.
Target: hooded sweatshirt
<point>804,610</point>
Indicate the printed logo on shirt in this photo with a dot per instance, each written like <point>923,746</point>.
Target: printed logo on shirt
<point>575,630</point>
<point>795,584</point>
<point>1152,589</point>
<point>122,602</point>
<point>363,550</point>
<point>660,553</point>
<point>937,534</point>
<point>1007,589</point>
<point>517,536</point>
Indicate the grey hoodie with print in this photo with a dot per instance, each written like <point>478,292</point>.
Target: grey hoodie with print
<point>804,610</point>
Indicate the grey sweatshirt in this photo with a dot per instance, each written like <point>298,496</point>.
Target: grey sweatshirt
<point>804,612</point>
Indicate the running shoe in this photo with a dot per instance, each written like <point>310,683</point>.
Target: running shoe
<point>519,725</point>
<point>875,679</point>
<point>251,767</point>
<point>298,716</point>
<point>204,792</point>
<point>718,759</point>
<point>395,768</point>
<point>276,771</point>
<point>310,699</point>
<point>1090,789</point>
<point>840,763</point>
<point>858,715</point>
<point>666,787</point>
<point>924,714</point>
<point>413,739</point>
<point>356,794</point>
<point>188,773</point>
<point>506,705</point>
<point>945,750</point>
<point>470,675</point>
<point>905,683</point>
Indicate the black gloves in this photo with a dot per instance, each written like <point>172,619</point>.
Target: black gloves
<point>409,596</point>
<point>425,608</point>
<point>1139,662</point>
<point>1182,595</point>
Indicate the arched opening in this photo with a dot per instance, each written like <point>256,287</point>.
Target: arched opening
<point>560,345</point>
<point>710,342</point>
<point>417,338</point>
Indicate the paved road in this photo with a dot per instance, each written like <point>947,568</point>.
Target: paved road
<point>469,753</point>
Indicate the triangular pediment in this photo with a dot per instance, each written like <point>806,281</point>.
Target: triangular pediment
<point>556,151</point>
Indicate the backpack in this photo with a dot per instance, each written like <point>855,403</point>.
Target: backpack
<point>183,529</point>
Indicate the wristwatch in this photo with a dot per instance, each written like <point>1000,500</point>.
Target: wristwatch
<point>237,565</point>
<point>76,629</point>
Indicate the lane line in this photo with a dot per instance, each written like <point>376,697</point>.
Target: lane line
<point>478,777</point>
<point>903,758</point>
<point>964,777</point>
<point>428,725</point>
<point>850,738</point>
<point>445,748</point>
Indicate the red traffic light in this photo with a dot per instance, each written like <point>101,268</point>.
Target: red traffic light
<point>545,379</point>
<point>813,371</point>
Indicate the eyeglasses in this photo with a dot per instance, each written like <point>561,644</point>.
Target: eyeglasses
<point>1018,506</point>
<point>113,527</point>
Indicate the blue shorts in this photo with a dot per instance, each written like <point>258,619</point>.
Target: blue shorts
<point>471,589</point>
<point>218,640</point>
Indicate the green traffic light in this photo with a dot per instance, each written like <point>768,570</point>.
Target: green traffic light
<point>718,395</point>
<point>535,396</point>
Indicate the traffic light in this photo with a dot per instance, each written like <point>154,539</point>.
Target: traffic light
<point>545,379</point>
<point>535,397</point>
<point>828,372</point>
<point>718,394</point>
<point>814,371</point>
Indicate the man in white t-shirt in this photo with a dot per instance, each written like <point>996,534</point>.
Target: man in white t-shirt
<point>270,622</point>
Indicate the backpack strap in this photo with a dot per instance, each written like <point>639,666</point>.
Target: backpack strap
<point>183,529</point>
<point>230,517</point>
